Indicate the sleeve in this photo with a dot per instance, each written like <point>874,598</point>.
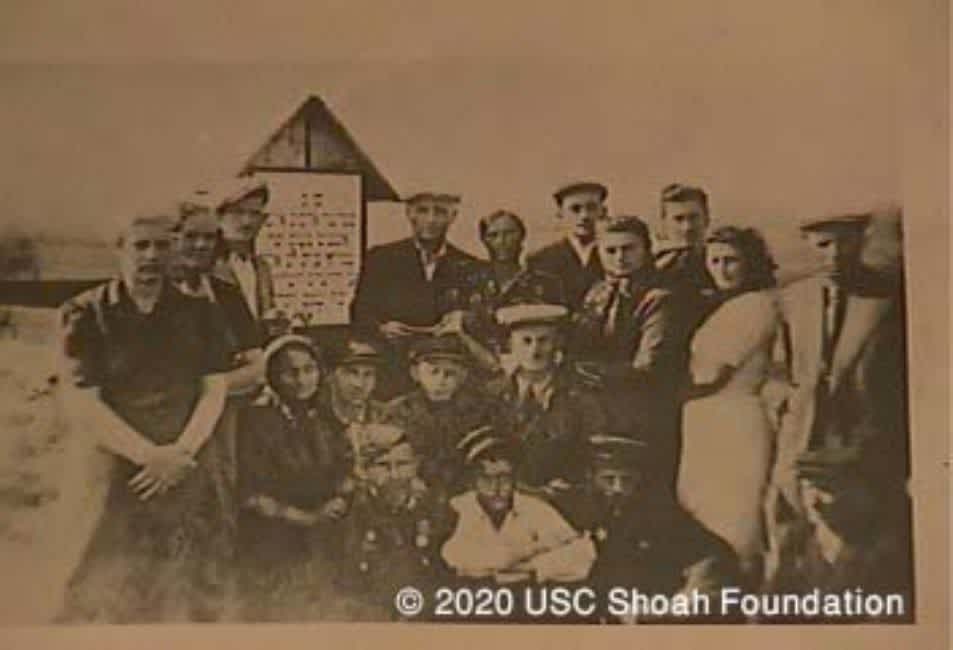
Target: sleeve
<point>656,342</point>
<point>253,463</point>
<point>731,334</point>
<point>469,553</point>
<point>570,555</point>
<point>80,346</point>
<point>218,347</point>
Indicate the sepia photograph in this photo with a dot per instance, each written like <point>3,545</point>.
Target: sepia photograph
<point>630,318</point>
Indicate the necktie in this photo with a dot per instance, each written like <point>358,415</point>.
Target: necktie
<point>833,320</point>
<point>614,310</point>
<point>823,432</point>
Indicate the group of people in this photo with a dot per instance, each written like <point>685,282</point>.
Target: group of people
<point>623,408</point>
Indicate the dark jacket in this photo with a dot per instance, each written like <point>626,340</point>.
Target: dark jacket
<point>560,259</point>
<point>393,287</point>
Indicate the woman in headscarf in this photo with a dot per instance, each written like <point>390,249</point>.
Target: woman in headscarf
<point>290,468</point>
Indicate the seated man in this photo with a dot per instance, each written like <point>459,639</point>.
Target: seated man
<point>854,534</point>
<point>503,535</point>
<point>392,533</point>
<point>644,540</point>
<point>443,407</point>
<point>541,404</point>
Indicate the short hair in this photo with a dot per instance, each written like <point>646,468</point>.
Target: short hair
<point>759,264</point>
<point>678,193</point>
<point>160,219</point>
<point>627,224</point>
<point>484,224</point>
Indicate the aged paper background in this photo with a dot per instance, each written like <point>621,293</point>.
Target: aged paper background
<point>853,93</point>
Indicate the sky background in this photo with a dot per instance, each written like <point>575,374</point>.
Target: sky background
<point>781,110</point>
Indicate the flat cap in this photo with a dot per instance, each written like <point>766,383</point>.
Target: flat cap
<point>857,221</point>
<point>531,314</point>
<point>447,346</point>
<point>615,451</point>
<point>580,186</point>
<point>355,350</point>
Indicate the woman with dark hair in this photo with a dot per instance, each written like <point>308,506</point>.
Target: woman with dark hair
<point>290,467</point>
<point>724,417</point>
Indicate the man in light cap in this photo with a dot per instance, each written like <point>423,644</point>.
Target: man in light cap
<point>643,538</point>
<point>573,258</point>
<point>503,535</point>
<point>541,402</point>
<point>408,285</point>
<point>240,206</point>
<point>845,343</point>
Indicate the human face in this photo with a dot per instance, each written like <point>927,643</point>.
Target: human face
<point>430,219</point>
<point>621,253</point>
<point>535,348</point>
<point>495,486</point>
<point>144,254</point>
<point>725,265</point>
<point>197,240</point>
<point>242,221</point>
<point>503,239</point>
<point>393,472</point>
<point>837,251</point>
<point>684,223</point>
<point>615,483</point>
<point>355,382</point>
<point>580,210</point>
<point>298,375</point>
<point>439,378</point>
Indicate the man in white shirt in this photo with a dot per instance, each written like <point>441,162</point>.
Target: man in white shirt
<point>505,535</point>
<point>241,212</point>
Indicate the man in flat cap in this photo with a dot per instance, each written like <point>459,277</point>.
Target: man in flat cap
<point>240,207</point>
<point>855,535</point>
<point>409,284</point>
<point>573,258</point>
<point>392,534</point>
<point>643,538</point>
<point>444,405</point>
<point>541,402</point>
<point>845,342</point>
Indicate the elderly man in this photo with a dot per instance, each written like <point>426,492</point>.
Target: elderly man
<point>142,379</point>
<point>241,211</point>
<point>573,258</point>
<point>408,285</point>
<point>847,372</point>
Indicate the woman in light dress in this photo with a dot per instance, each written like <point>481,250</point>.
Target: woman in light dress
<point>727,437</point>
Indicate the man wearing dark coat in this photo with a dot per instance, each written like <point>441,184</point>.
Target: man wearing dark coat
<point>644,540</point>
<point>411,283</point>
<point>573,258</point>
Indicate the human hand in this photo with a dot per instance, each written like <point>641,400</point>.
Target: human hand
<point>164,467</point>
<point>394,330</point>
<point>264,505</point>
<point>334,509</point>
